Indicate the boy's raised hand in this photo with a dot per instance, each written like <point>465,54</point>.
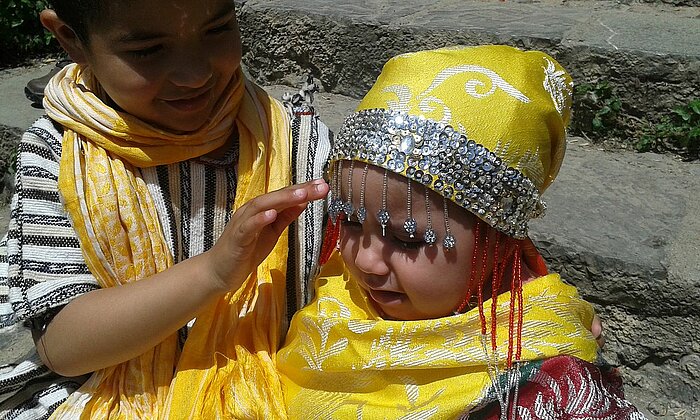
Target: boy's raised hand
<point>80,342</point>
<point>254,230</point>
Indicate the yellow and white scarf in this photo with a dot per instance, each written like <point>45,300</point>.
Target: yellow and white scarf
<point>226,368</point>
<point>342,361</point>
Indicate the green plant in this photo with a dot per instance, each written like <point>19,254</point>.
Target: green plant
<point>598,108</point>
<point>678,131</point>
<point>21,32</point>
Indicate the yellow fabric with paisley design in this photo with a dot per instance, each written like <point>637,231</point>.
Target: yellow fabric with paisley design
<point>234,341</point>
<point>447,85</point>
<point>342,361</point>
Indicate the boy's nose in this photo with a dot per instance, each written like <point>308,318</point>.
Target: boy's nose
<point>191,71</point>
<point>370,256</point>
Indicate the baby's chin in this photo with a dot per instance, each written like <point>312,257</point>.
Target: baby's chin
<point>403,313</point>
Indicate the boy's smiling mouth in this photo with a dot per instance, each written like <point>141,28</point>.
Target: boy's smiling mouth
<point>190,103</point>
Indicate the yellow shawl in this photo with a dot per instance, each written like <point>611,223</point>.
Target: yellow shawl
<point>341,361</point>
<point>226,367</point>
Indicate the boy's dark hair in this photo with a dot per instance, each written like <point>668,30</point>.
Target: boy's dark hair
<point>80,14</point>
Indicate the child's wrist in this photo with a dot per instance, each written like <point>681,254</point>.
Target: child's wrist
<point>216,283</point>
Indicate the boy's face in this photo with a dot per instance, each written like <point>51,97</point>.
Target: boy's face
<point>404,277</point>
<point>166,62</point>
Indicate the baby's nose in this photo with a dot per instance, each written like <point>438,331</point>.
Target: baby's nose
<point>374,282</point>
<point>370,258</point>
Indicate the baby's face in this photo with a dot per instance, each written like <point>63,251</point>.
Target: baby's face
<point>166,62</point>
<point>404,277</point>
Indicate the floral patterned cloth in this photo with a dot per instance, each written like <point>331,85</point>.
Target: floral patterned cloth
<point>341,360</point>
<point>564,388</point>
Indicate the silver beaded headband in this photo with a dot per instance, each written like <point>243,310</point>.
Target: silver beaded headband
<point>440,158</point>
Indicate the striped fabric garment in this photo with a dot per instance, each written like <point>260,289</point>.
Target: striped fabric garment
<point>46,268</point>
<point>193,198</point>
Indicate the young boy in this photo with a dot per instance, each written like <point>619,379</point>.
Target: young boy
<point>156,191</point>
<point>438,305</point>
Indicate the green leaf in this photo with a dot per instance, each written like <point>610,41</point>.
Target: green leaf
<point>683,113</point>
<point>597,123</point>
<point>616,105</point>
<point>695,106</point>
<point>583,88</point>
<point>644,143</point>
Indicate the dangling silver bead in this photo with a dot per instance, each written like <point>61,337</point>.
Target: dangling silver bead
<point>362,214</point>
<point>430,237</point>
<point>348,208</point>
<point>449,241</point>
<point>383,214</point>
<point>409,225</point>
<point>383,218</point>
<point>334,207</point>
<point>362,210</point>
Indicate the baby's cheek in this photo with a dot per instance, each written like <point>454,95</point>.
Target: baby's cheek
<point>435,299</point>
<point>447,289</point>
<point>346,254</point>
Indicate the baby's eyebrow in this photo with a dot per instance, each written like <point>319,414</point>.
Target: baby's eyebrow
<point>395,227</point>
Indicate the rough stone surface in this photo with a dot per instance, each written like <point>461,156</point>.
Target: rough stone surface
<point>649,54</point>
<point>15,109</point>
<point>623,228</point>
<point>9,138</point>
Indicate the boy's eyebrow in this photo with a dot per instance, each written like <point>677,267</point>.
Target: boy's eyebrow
<point>139,36</point>
<point>224,12</point>
<point>150,35</point>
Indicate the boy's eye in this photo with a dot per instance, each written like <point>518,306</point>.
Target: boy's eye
<point>145,52</point>
<point>228,26</point>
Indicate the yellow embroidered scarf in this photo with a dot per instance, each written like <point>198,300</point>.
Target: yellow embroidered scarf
<point>226,368</point>
<point>341,361</point>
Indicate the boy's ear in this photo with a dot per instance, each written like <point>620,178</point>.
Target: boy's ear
<point>65,35</point>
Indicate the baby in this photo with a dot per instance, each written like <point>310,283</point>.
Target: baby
<point>437,304</point>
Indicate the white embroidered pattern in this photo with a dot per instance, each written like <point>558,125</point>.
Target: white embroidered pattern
<point>557,87</point>
<point>315,356</point>
<point>529,163</point>
<point>531,166</point>
<point>584,396</point>
<point>403,94</point>
<point>473,87</point>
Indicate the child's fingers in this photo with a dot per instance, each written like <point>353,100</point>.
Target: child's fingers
<point>276,221</point>
<point>304,193</point>
<point>315,190</point>
<point>247,231</point>
<point>286,217</point>
<point>251,218</point>
<point>285,198</point>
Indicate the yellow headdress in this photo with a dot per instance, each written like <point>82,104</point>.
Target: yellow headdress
<point>482,126</point>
